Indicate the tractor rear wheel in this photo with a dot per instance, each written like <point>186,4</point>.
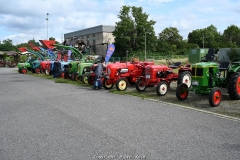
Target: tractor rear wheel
<point>234,86</point>
<point>24,71</point>
<point>182,91</point>
<point>107,84</point>
<point>215,97</point>
<point>91,79</point>
<point>121,84</point>
<point>162,88</point>
<point>140,85</point>
<point>185,77</point>
<point>85,78</point>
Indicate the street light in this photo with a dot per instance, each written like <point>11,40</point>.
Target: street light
<point>47,24</point>
<point>145,45</point>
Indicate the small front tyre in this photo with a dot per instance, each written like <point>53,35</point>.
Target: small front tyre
<point>182,91</point>
<point>162,88</point>
<point>121,84</point>
<point>215,97</point>
<point>140,85</point>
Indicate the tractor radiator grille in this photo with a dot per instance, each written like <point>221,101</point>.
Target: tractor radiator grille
<point>197,71</point>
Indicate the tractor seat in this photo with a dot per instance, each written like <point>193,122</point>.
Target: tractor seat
<point>224,66</point>
<point>175,65</point>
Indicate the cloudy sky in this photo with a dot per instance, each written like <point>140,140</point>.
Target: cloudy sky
<point>23,20</point>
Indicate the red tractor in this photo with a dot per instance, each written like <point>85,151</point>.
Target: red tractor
<point>123,74</point>
<point>162,75</point>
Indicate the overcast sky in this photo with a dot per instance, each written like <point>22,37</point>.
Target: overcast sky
<point>23,20</point>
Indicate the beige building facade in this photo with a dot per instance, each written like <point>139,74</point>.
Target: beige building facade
<point>97,39</point>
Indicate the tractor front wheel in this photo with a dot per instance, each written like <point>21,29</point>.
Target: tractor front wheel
<point>140,85</point>
<point>24,71</point>
<point>215,97</point>
<point>182,91</point>
<point>185,77</point>
<point>73,76</point>
<point>162,88</point>
<point>47,71</point>
<point>234,86</point>
<point>77,78</point>
<point>37,70</point>
<point>66,76</point>
<point>91,79</point>
<point>107,84</point>
<point>121,84</point>
<point>85,78</point>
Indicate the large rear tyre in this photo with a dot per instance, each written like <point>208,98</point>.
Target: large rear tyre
<point>215,97</point>
<point>234,86</point>
<point>185,77</point>
<point>182,91</point>
<point>121,84</point>
<point>85,78</point>
<point>140,85</point>
<point>162,88</point>
<point>107,84</point>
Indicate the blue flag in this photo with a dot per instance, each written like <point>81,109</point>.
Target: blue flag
<point>109,53</point>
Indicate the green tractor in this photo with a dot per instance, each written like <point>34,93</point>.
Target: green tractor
<point>209,77</point>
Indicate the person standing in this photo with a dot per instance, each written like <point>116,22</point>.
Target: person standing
<point>55,68</point>
<point>98,74</point>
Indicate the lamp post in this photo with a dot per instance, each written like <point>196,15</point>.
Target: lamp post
<point>47,25</point>
<point>203,40</point>
<point>145,45</point>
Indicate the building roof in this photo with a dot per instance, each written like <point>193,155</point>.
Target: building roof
<point>9,53</point>
<point>92,30</point>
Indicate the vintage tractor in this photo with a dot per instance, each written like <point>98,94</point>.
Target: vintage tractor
<point>209,77</point>
<point>123,74</point>
<point>161,76</point>
<point>24,67</point>
<point>34,63</point>
<point>49,55</point>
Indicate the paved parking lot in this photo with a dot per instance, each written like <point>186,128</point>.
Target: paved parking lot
<point>41,119</point>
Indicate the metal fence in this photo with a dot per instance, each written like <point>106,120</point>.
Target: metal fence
<point>118,59</point>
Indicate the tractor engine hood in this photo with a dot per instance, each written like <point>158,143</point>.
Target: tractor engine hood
<point>205,65</point>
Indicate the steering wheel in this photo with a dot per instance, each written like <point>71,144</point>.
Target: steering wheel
<point>169,61</point>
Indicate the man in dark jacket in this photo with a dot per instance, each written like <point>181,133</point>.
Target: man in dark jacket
<point>56,65</point>
<point>98,73</point>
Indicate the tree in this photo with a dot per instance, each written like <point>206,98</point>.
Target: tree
<point>131,30</point>
<point>232,35</point>
<point>170,41</point>
<point>206,38</point>
<point>7,45</point>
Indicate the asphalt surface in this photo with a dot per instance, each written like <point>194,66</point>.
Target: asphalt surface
<point>41,119</point>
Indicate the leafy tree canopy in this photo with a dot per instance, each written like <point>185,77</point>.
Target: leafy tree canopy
<point>132,30</point>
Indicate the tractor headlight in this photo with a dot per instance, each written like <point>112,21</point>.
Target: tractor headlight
<point>194,83</point>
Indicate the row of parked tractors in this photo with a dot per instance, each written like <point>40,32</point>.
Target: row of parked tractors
<point>206,77</point>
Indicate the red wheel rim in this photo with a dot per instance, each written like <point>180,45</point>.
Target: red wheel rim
<point>24,71</point>
<point>238,85</point>
<point>37,71</point>
<point>62,75</point>
<point>183,92</point>
<point>217,97</point>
